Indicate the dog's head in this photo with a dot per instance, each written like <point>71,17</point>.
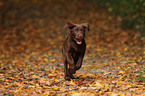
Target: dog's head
<point>77,31</point>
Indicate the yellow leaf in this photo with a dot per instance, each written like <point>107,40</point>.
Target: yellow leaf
<point>55,87</point>
<point>34,76</point>
<point>113,94</point>
<point>128,86</point>
<point>125,49</point>
<point>57,80</point>
<point>83,88</point>
<point>35,66</point>
<point>131,43</point>
<point>50,74</point>
<point>46,59</point>
<point>71,82</point>
<point>118,53</point>
<point>26,57</point>
<point>73,92</point>
<point>121,72</point>
<point>122,76</point>
<point>49,54</point>
<point>31,86</point>
<point>28,65</point>
<point>53,60</point>
<point>120,82</point>
<point>99,50</point>
<point>76,94</point>
<point>60,77</point>
<point>144,52</point>
<point>121,94</point>
<point>110,9</point>
<point>97,84</point>
<point>2,64</point>
<point>44,94</point>
<point>47,92</point>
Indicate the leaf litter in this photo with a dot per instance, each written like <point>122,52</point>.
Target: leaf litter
<point>30,52</point>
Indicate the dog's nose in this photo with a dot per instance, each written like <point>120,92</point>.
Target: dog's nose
<point>80,36</point>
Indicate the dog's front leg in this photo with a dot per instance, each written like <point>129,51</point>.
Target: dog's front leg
<point>65,67</point>
<point>79,62</point>
<point>70,61</point>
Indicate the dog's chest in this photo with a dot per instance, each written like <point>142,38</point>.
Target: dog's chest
<point>78,51</point>
<point>76,54</point>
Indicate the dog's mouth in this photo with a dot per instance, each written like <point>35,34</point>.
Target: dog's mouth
<point>78,41</point>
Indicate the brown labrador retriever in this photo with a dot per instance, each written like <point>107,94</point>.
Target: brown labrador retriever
<point>74,48</point>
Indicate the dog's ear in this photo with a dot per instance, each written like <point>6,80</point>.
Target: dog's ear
<point>86,26</point>
<point>69,25</point>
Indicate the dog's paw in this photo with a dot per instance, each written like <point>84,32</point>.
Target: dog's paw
<point>72,71</point>
<point>67,78</point>
<point>72,77</point>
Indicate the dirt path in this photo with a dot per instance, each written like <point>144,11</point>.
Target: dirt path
<point>30,50</point>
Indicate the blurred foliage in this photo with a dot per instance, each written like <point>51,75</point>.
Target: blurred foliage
<point>141,77</point>
<point>132,12</point>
